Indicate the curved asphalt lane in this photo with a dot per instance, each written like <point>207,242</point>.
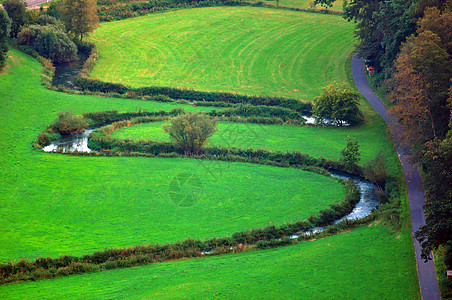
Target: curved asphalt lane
<point>426,271</point>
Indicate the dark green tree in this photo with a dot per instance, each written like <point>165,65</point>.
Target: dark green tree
<point>191,130</point>
<point>338,104</point>
<point>5,25</point>
<point>437,169</point>
<point>396,20</point>
<point>369,35</point>
<point>50,42</point>
<point>17,11</point>
<point>351,154</point>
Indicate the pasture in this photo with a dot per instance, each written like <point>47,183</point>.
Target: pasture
<point>55,204</point>
<point>369,262</point>
<point>245,50</point>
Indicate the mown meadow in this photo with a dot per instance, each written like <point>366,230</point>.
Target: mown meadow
<point>369,262</point>
<point>55,204</point>
<point>229,49</point>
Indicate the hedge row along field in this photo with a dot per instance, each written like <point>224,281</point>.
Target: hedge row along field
<point>244,50</point>
<point>51,196</point>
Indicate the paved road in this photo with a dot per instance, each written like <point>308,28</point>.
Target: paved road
<point>426,271</point>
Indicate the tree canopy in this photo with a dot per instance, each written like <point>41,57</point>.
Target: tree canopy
<point>17,11</point>
<point>337,104</point>
<point>5,25</point>
<point>191,130</point>
<point>79,16</point>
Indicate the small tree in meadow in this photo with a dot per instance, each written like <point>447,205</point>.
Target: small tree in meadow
<point>338,104</point>
<point>191,130</point>
<point>351,154</point>
<point>68,123</point>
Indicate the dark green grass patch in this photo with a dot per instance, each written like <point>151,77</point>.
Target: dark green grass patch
<point>367,263</point>
<point>245,50</point>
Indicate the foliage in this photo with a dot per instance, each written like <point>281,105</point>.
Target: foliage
<point>421,84</point>
<point>437,169</point>
<point>337,104</point>
<point>68,123</point>
<point>375,170</point>
<point>324,3</point>
<point>351,154</point>
<point>79,16</point>
<point>17,12</point>
<point>191,130</point>
<point>49,41</point>
<point>45,20</point>
<point>5,25</point>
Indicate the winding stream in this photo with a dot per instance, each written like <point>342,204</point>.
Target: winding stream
<point>65,73</point>
<point>368,198</point>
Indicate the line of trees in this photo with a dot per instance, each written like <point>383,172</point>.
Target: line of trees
<point>410,44</point>
<point>52,35</point>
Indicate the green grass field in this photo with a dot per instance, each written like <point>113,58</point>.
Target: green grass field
<point>66,204</point>
<point>367,263</point>
<point>317,141</point>
<point>245,50</point>
<point>56,204</point>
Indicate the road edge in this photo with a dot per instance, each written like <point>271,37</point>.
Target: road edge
<point>428,281</point>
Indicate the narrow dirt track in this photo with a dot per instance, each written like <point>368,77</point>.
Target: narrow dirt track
<point>426,271</point>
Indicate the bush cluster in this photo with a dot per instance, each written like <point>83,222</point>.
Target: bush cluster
<point>95,85</point>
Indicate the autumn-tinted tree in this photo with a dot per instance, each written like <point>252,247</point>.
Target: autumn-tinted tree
<point>338,104</point>
<point>17,12</point>
<point>191,130</point>
<point>421,83</point>
<point>5,24</point>
<point>79,16</point>
<point>67,123</point>
<point>375,169</point>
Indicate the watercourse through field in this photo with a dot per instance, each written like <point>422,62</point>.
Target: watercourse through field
<point>65,75</point>
<point>367,203</point>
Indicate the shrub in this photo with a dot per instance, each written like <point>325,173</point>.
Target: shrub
<point>50,41</point>
<point>375,170</point>
<point>68,123</point>
<point>190,131</point>
<point>338,104</point>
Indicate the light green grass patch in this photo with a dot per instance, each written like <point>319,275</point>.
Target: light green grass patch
<point>56,204</point>
<point>367,263</point>
<point>317,141</point>
<point>245,50</point>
